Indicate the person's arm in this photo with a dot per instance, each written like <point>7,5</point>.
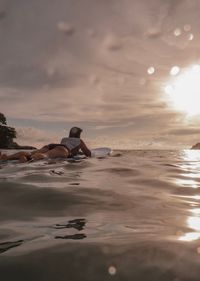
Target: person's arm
<point>85,150</point>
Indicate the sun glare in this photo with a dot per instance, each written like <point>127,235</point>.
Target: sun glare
<point>184,91</point>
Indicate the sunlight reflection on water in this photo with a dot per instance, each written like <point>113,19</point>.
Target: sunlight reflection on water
<point>191,162</point>
<point>142,205</point>
<point>187,183</point>
<point>193,223</point>
<point>191,155</point>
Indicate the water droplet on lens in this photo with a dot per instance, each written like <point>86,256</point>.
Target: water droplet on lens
<point>142,81</point>
<point>151,70</point>
<point>65,27</point>
<point>190,37</point>
<point>112,270</point>
<point>174,70</point>
<point>177,32</point>
<point>187,27</point>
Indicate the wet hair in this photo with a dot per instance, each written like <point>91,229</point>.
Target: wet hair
<point>75,132</point>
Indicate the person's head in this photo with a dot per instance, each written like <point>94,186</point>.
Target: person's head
<point>75,132</point>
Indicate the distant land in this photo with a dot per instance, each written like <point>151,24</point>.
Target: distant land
<point>196,146</point>
<point>8,134</point>
<point>17,146</point>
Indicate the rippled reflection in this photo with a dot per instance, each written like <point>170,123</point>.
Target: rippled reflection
<point>196,197</point>
<point>187,183</point>
<point>193,223</point>
<point>190,165</point>
<point>195,211</point>
<point>190,169</point>
<point>191,155</point>
<point>192,175</point>
<point>191,236</point>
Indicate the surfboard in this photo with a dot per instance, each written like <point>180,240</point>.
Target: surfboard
<point>101,152</point>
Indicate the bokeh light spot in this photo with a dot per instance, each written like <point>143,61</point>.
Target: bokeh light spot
<point>112,270</point>
<point>190,37</point>
<point>177,32</point>
<point>174,70</point>
<point>187,27</point>
<point>151,70</point>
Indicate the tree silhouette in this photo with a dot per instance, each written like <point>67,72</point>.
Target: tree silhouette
<point>3,119</point>
<point>7,134</point>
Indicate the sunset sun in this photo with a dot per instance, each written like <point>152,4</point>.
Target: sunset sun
<point>184,91</point>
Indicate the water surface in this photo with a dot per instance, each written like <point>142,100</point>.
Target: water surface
<point>132,216</point>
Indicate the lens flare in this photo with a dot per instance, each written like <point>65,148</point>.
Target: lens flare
<point>151,70</point>
<point>184,91</point>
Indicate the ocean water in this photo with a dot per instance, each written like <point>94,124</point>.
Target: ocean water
<point>134,215</point>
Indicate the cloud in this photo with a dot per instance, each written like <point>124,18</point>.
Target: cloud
<point>66,28</point>
<point>185,131</point>
<point>87,63</point>
<point>36,137</point>
<point>153,33</point>
<point>112,43</point>
<point>2,15</point>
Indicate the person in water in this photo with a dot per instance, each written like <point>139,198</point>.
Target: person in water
<point>68,147</point>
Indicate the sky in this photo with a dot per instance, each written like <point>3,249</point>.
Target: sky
<point>106,66</point>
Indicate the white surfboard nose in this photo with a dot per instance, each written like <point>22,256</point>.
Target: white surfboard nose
<point>101,152</point>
